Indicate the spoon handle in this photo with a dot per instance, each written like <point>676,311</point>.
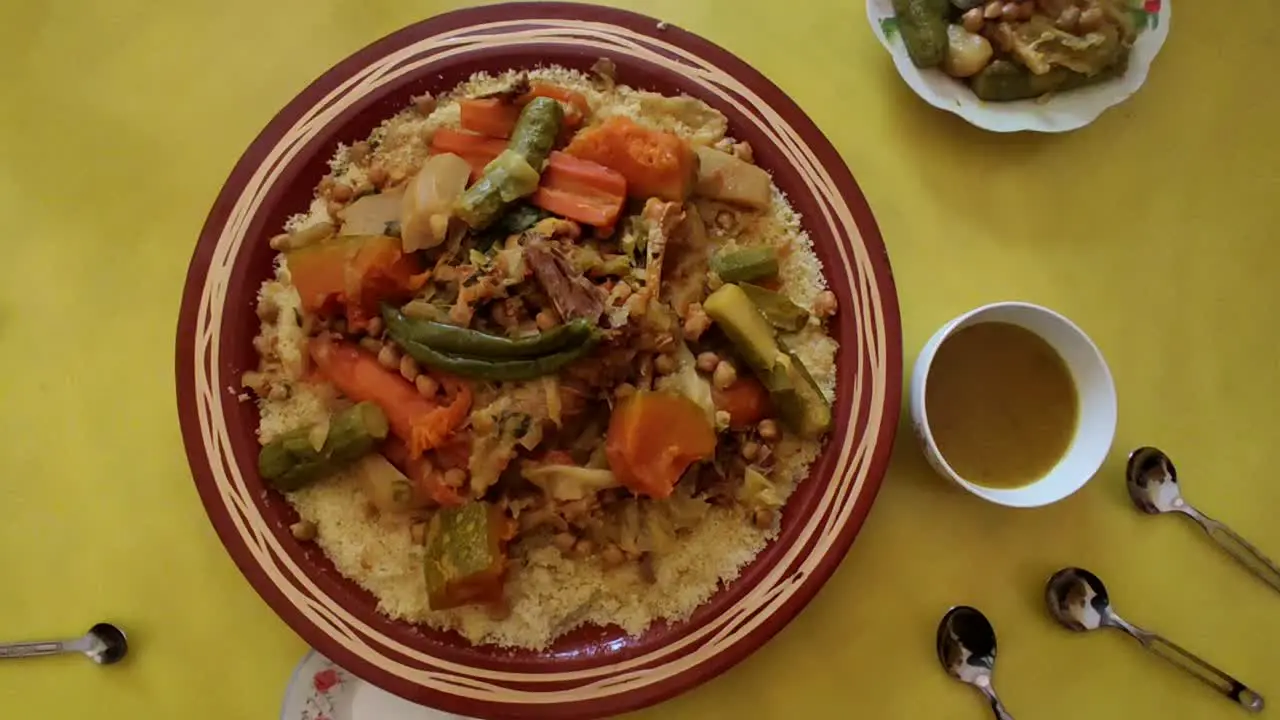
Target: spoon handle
<point>1201,670</point>
<point>31,649</point>
<point>997,707</point>
<point>1239,548</point>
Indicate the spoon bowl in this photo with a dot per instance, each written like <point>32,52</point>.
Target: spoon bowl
<point>105,644</point>
<point>966,644</point>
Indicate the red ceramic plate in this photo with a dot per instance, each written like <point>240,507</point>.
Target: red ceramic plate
<point>594,671</point>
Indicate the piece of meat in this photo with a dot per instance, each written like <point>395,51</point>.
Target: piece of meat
<point>573,295</point>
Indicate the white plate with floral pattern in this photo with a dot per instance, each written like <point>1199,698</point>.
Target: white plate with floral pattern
<point>320,690</point>
<point>1061,112</point>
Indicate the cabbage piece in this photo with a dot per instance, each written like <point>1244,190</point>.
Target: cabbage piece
<point>758,492</point>
<point>566,483</point>
<point>687,381</point>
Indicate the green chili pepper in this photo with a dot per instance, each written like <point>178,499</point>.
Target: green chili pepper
<point>525,369</point>
<point>473,343</point>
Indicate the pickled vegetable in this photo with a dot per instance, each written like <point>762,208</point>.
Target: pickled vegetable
<point>1004,81</point>
<point>923,24</point>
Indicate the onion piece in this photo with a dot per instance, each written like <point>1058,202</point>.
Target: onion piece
<point>429,199</point>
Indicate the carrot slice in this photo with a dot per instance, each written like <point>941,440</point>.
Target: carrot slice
<point>654,163</point>
<point>477,150</point>
<point>421,423</point>
<point>489,116</point>
<point>653,437</point>
<point>746,401</point>
<point>581,190</point>
<point>428,482</point>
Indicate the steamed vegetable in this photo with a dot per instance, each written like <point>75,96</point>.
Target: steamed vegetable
<point>746,264</point>
<point>421,423</point>
<point>654,163</point>
<point>302,456</point>
<point>581,190</point>
<point>792,390</point>
<point>653,438</point>
<point>746,401</point>
<point>465,555</point>
<point>722,176</point>
<point>497,116</point>
<point>385,486</point>
<point>517,369</point>
<point>967,53</point>
<point>777,308</point>
<point>477,150</point>
<point>429,489</point>
<point>514,173</point>
<point>376,214</point>
<point>566,483</point>
<point>473,343</point>
<point>428,201</point>
<point>923,25</point>
<point>354,273</point>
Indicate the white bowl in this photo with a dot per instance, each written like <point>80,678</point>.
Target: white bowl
<point>1060,113</point>
<point>1097,396</point>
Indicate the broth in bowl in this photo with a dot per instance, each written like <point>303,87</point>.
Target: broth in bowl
<point>1002,405</point>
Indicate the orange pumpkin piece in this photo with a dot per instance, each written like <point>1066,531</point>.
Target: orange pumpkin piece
<point>356,273</point>
<point>654,163</point>
<point>653,438</point>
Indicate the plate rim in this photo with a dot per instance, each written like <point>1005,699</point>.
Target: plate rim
<point>829,159</point>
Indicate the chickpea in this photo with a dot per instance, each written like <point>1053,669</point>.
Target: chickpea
<point>279,391</point>
<point>973,20</point>
<point>389,357</point>
<point>341,192</point>
<point>303,530</point>
<point>418,533</point>
<point>763,518</point>
<point>825,305</point>
<point>612,556</point>
<point>696,322</point>
<point>374,327</point>
<point>724,375</point>
<point>993,10</point>
<point>427,385</point>
<point>622,291</point>
<point>664,364</point>
<point>372,344</point>
<point>425,104</point>
<point>707,361</point>
<point>722,419</point>
<point>1069,19</point>
<point>1009,12</point>
<point>750,450</point>
<point>409,368</point>
<point>1091,19</point>
<point>545,320</point>
<point>564,542</point>
<point>377,175</point>
<point>359,152</point>
<point>725,220</point>
<point>768,429</point>
<point>625,390</point>
<point>584,547</point>
<point>455,477</point>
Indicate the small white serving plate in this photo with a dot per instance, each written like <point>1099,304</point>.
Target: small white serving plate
<point>1060,113</point>
<point>320,690</point>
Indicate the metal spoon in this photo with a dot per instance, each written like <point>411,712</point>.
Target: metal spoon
<point>104,644</point>
<point>1153,487</point>
<point>967,650</point>
<point>1078,600</point>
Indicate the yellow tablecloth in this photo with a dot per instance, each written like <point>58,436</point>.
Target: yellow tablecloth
<point>1155,229</point>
